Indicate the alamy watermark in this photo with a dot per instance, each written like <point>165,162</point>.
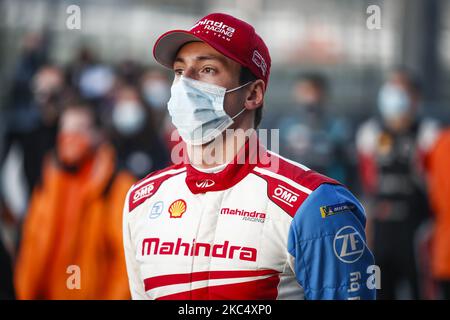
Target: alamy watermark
<point>73,20</point>
<point>73,281</point>
<point>373,21</point>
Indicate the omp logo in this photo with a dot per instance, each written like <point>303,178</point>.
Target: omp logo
<point>348,245</point>
<point>205,183</point>
<point>285,195</point>
<point>154,246</point>
<point>259,61</point>
<point>216,26</point>
<point>143,192</point>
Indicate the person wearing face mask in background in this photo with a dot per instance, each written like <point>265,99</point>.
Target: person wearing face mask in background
<point>139,147</point>
<point>392,152</point>
<point>31,131</point>
<point>74,218</point>
<point>312,135</point>
<point>34,128</point>
<point>155,89</point>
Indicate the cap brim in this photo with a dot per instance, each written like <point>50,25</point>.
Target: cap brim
<point>168,45</point>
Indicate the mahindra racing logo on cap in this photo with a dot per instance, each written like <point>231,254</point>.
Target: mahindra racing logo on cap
<point>259,61</point>
<point>206,183</point>
<point>143,192</point>
<point>218,28</point>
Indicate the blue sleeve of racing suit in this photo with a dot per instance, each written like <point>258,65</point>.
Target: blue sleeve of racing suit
<point>328,243</point>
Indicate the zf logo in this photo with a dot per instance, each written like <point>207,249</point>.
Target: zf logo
<point>348,245</point>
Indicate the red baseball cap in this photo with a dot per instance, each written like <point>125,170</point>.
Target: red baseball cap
<point>234,38</point>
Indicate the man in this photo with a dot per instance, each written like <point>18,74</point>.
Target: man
<point>72,240</point>
<point>439,191</point>
<point>312,135</point>
<point>33,124</point>
<point>139,147</point>
<point>391,151</point>
<point>6,283</point>
<point>236,221</point>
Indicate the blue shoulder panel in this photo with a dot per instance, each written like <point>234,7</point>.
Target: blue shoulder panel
<point>328,243</point>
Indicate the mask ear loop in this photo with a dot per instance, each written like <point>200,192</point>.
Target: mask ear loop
<point>237,115</point>
<point>234,89</point>
<point>237,88</point>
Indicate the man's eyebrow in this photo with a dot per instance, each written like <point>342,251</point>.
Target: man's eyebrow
<point>178,59</point>
<point>211,57</point>
<point>203,58</point>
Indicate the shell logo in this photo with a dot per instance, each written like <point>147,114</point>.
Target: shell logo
<point>177,208</point>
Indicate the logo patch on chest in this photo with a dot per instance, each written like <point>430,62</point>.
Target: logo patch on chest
<point>326,211</point>
<point>246,215</point>
<point>177,208</point>
<point>225,250</point>
<point>156,210</point>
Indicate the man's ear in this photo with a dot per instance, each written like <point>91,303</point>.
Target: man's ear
<point>255,95</point>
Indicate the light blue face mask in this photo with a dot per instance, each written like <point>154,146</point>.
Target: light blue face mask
<point>393,102</point>
<point>197,110</point>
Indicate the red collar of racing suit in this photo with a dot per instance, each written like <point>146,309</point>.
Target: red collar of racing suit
<point>271,167</point>
<point>243,163</point>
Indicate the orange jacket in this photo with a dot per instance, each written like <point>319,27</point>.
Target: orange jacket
<point>439,187</point>
<point>73,231</point>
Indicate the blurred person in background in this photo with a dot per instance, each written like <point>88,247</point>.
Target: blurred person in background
<point>311,135</point>
<point>95,82</point>
<point>6,275</point>
<point>392,150</point>
<point>6,284</point>
<point>92,79</point>
<point>135,135</point>
<point>83,59</point>
<point>19,122</point>
<point>33,125</point>
<point>30,133</point>
<point>439,190</point>
<point>74,218</point>
<point>129,72</point>
<point>31,59</point>
<point>155,88</point>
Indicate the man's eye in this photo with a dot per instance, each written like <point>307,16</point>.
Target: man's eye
<point>178,72</point>
<point>208,70</point>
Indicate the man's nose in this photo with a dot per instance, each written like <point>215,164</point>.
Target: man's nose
<point>190,72</point>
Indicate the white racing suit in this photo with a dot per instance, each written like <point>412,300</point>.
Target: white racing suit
<point>262,228</point>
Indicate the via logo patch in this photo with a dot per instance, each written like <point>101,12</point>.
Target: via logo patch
<point>156,210</point>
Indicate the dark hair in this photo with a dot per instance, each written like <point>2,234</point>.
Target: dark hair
<point>411,78</point>
<point>247,76</point>
<point>317,80</point>
<point>85,106</point>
